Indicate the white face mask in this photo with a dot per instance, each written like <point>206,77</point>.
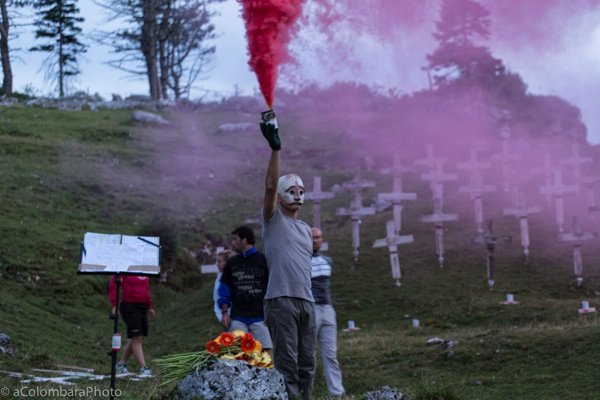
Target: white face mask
<point>294,194</point>
<point>291,189</point>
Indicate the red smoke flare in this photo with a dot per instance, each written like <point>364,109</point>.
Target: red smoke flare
<point>269,25</point>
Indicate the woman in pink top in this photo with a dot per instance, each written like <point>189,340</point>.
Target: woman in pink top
<point>136,304</point>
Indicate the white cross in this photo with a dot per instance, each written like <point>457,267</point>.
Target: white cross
<point>397,169</point>
<point>547,170</point>
<point>522,211</point>
<point>489,239</point>
<point>436,177</point>
<point>473,165</point>
<point>558,190</point>
<point>438,218</point>
<point>356,209</point>
<point>316,196</point>
<point>212,268</point>
<point>430,159</point>
<point>476,189</point>
<point>506,157</point>
<point>576,161</point>
<point>590,182</point>
<point>397,195</point>
<point>577,237</point>
<point>357,184</point>
<point>254,220</point>
<point>391,241</point>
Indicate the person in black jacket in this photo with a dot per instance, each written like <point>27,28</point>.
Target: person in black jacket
<point>243,286</point>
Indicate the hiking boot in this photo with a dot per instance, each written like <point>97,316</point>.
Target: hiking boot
<point>145,371</point>
<point>122,369</point>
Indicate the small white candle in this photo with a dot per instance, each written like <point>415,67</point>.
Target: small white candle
<point>351,324</point>
<point>585,305</point>
<point>510,297</point>
<point>415,323</point>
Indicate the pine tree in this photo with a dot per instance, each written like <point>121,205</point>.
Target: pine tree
<point>57,23</point>
<point>458,56</point>
<point>166,40</point>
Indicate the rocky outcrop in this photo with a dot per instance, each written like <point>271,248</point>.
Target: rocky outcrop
<point>6,346</point>
<point>232,380</point>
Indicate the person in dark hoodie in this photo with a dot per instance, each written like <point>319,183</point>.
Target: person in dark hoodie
<point>243,286</point>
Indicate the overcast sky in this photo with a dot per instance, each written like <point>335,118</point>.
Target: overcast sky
<point>574,73</point>
<point>227,69</point>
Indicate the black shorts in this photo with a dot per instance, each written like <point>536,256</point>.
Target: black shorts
<point>135,316</point>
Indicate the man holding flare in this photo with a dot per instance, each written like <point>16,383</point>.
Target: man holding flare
<point>287,241</point>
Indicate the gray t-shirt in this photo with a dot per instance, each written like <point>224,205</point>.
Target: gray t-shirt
<point>288,247</point>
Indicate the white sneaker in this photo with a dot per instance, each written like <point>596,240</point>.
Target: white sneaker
<point>122,369</point>
<point>145,371</point>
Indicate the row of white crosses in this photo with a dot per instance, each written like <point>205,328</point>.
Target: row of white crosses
<point>557,191</point>
<point>553,189</point>
<point>436,177</point>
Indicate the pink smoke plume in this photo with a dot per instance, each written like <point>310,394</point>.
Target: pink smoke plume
<point>537,22</point>
<point>269,27</point>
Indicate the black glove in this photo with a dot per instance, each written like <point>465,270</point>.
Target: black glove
<point>271,133</point>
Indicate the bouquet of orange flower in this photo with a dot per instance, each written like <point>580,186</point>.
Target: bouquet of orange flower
<point>237,345</point>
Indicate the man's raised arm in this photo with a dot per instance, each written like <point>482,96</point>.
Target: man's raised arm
<point>270,131</point>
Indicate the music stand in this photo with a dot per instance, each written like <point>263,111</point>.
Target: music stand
<point>115,254</point>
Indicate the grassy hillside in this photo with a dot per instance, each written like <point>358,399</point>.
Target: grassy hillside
<point>66,173</point>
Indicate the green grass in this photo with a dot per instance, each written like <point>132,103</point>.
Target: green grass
<point>65,173</point>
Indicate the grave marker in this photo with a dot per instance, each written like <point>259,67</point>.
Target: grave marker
<point>590,182</point>
<point>436,177</point>
<point>547,171</point>
<point>473,165</point>
<point>392,241</point>
<point>476,189</point>
<point>316,196</point>
<point>212,268</point>
<point>522,211</point>
<point>576,161</point>
<point>577,237</point>
<point>489,239</point>
<point>397,196</point>
<point>438,218</point>
<point>356,210</point>
<point>254,220</point>
<point>430,159</point>
<point>506,157</point>
<point>558,190</point>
